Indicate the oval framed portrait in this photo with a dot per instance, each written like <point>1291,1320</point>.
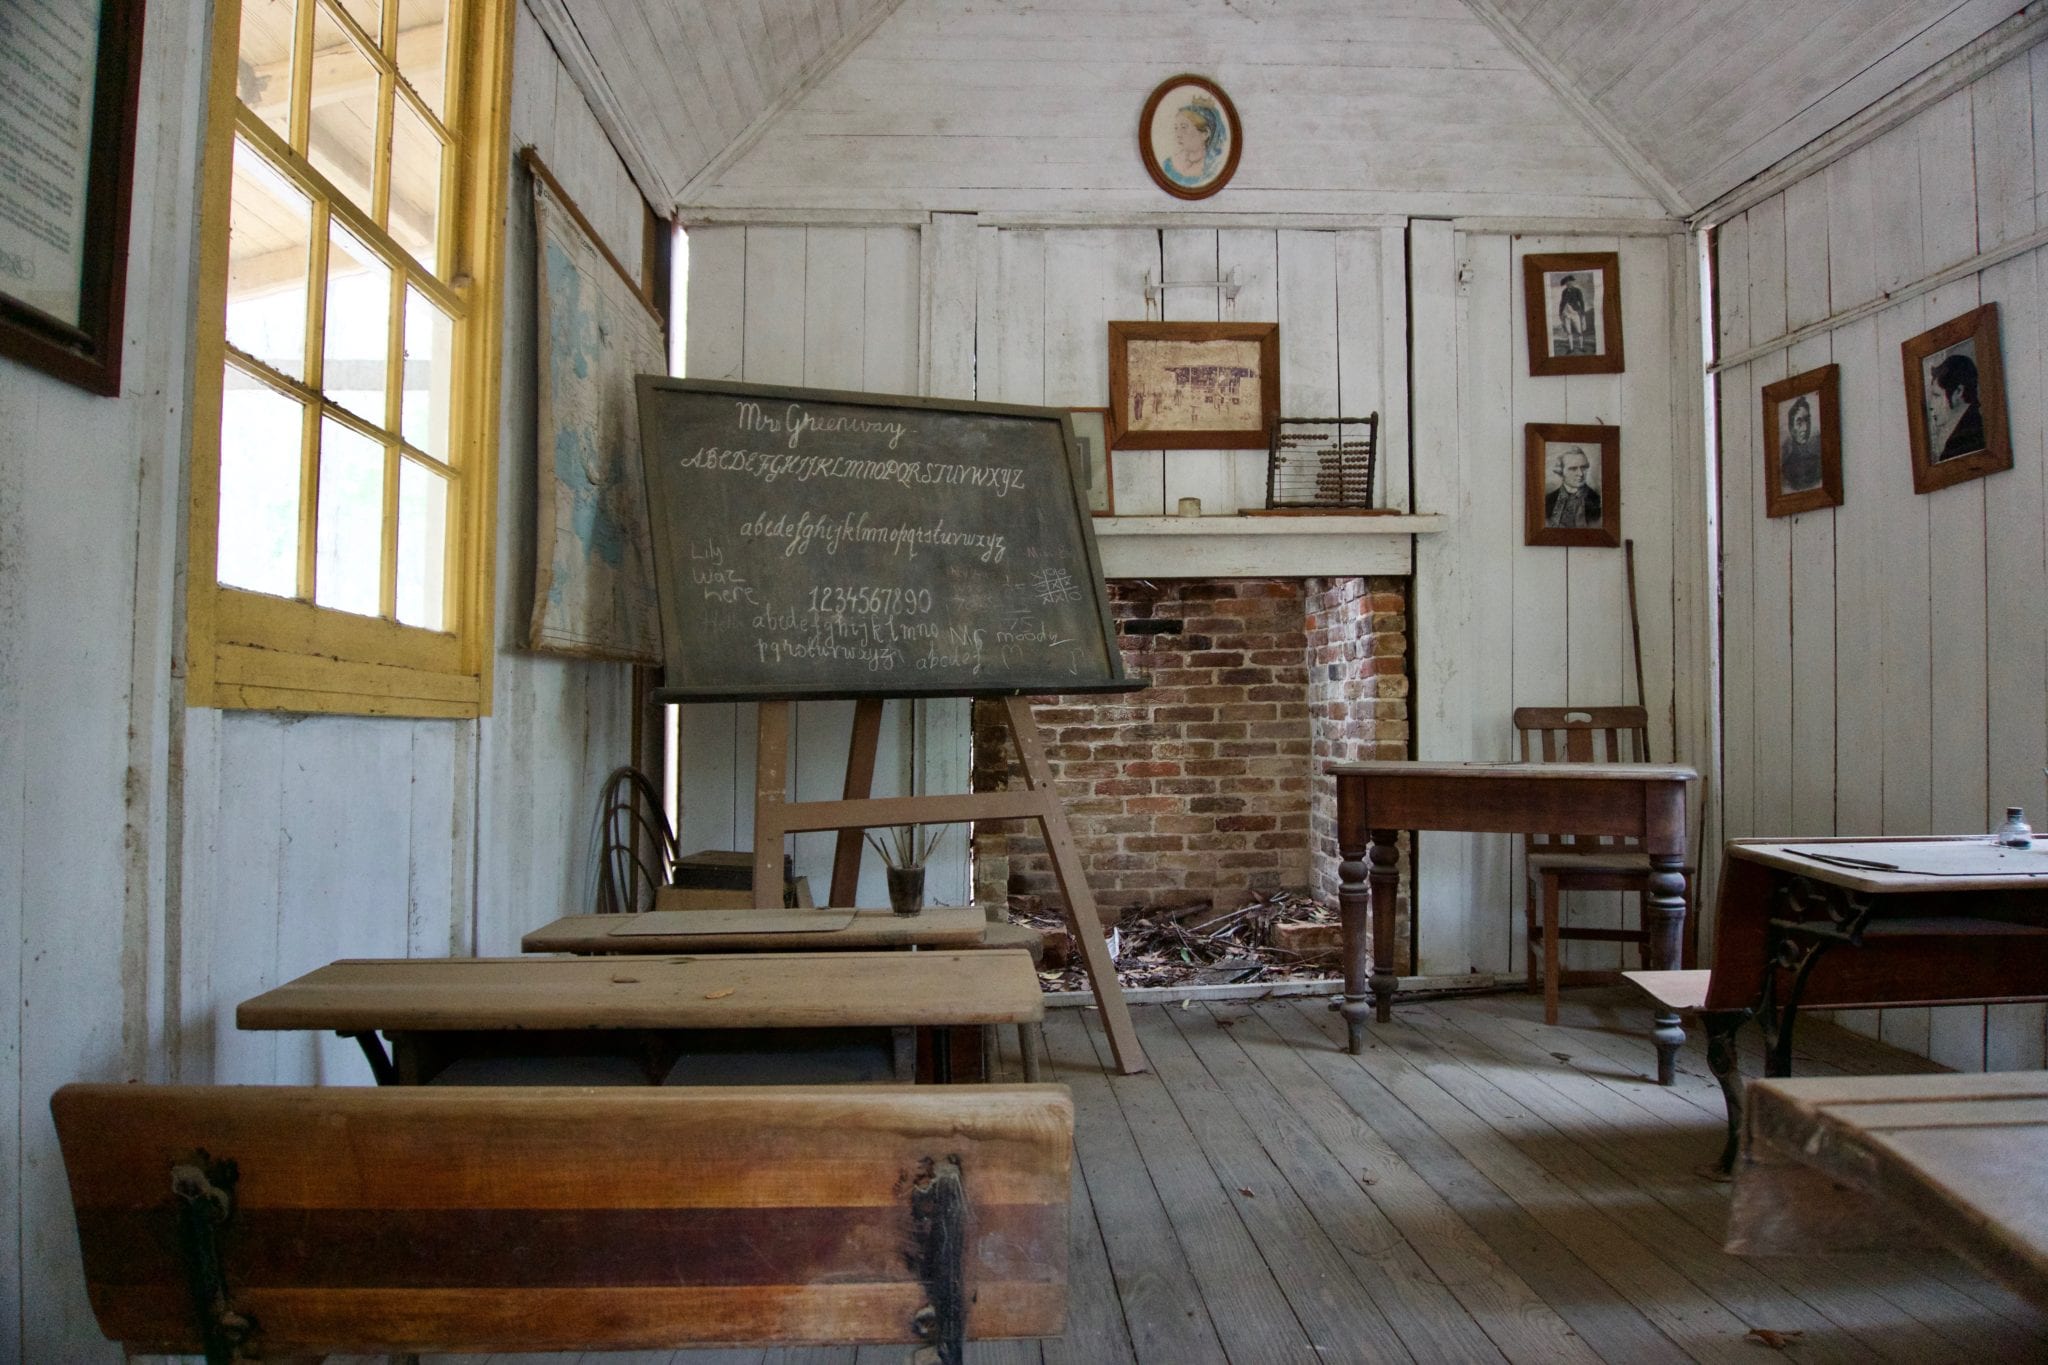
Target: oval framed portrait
<point>1189,137</point>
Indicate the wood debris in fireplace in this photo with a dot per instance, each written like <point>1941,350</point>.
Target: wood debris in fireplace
<point>1284,936</point>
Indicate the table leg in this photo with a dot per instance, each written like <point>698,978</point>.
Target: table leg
<point>373,1053</point>
<point>1664,921</point>
<point>1354,908</point>
<point>1386,886</point>
<point>1724,1059</point>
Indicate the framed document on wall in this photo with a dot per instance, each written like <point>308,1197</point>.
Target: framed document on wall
<point>66,172</point>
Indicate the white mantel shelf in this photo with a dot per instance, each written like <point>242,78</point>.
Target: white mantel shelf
<point>1261,547</point>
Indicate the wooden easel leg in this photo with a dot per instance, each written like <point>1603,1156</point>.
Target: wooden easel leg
<point>771,776</point>
<point>1084,920</point>
<point>860,781</point>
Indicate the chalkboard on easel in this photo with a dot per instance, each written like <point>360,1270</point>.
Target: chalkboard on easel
<point>813,543</point>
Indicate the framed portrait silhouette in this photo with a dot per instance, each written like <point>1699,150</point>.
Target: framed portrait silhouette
<point>1802,426</point>
<point>1572,484</point>
<point>1189,138</point>
<point>1572,302</point>
<point>1955,401</point>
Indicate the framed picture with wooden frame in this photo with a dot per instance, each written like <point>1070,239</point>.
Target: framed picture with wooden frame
<point>1189,138</point>
<point>1572,477</point>
<point>1955,401</point>
<point>1802,426</point>
<point>1193,385</point>
<point>1091,434</point>
<point>64,229</point>
<point>1572,303</point>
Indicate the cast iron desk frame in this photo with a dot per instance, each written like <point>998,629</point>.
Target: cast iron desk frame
<point>1920,939</point>
<point>1379,798</point>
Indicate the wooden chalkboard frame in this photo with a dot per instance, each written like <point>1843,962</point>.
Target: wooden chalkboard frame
<point>688,679</point>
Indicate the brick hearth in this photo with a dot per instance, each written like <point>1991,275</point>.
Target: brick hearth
<point>1202,786</point>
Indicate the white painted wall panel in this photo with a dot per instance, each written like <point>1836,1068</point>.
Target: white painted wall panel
<point>1930,711</point>
<point>1349,107</point>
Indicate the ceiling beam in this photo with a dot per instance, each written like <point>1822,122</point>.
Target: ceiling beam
<point>1638,163</point>
<point>557,23</point>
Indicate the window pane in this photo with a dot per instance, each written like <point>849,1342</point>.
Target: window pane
<point>260,434</point>
<point>269,228</point>
<point>422,546</point>
<point>422,49</point>
<point>429,375</point>
<point>263,71</point>
<point>356,361</point>
<point>342,141</point>
<point>348,547</point>
<point>415,184</point>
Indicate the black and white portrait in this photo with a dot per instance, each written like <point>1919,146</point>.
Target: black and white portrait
<point>1799,445</point>
<point>1571,487</point>
<point>1573,302</point>
<point>1955,418</point>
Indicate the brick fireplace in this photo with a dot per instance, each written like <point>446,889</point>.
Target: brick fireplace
<point>1205,786</point>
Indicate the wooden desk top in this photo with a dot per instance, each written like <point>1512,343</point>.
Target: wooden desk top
<point>1960,1154</point>
<point>731,990</point>
<point>1576,772</point>
<point>1903,865</point>
<point>759,931</point>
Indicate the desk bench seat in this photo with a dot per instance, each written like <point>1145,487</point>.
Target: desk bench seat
<point>360,1220</point>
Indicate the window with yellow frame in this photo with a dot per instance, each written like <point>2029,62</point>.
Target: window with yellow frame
<point>346,406</point>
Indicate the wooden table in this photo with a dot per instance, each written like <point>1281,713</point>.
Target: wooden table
<point>1928,921</point>
<point>760,931</point>
<point>1882,1162</point>
<point>1378,799</point>
<point>437,1009</point>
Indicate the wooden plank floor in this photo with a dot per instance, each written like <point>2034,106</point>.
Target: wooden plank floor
<point>1475,1187</point>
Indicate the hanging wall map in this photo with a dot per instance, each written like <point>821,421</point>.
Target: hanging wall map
<point>593,575</point>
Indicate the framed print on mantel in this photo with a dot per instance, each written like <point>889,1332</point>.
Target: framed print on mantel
<point>1193,385</point>
<point>1955,401</point>
<point>1572,303</point>
<point>1802,425</point>
<point>1572,478</point>
<point>1091,433</point>
<point>66,176</point>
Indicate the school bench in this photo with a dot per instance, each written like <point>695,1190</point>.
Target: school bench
<point>263,1222</point>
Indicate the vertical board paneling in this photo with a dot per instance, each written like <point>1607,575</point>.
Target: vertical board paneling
<point>1255,255</point>
<point>1739,501</point>
<point>1189,256</point>
<point>1937,688</point>
<point>1770,537</point>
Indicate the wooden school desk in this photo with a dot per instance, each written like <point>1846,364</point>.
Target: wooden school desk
<point>802,930</point>
<point>1378,799</point>
<point>1863,924</point>
<point>630,1013</point>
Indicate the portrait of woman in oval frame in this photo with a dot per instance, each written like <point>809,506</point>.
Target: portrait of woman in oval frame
<point>1189,137</point>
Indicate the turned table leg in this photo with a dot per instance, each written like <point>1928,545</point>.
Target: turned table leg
<point>1664,921</point>
<point>1354,909</point>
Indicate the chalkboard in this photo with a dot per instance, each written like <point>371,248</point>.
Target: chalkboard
<point>811,543</point>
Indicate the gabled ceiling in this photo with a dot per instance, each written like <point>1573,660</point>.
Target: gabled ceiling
<point>1694,97</point>
<point>1712,92</point>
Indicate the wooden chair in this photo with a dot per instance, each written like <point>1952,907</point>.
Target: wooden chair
<point>638,849</point>
<point>1561,862</point>
<point>260,1222</point>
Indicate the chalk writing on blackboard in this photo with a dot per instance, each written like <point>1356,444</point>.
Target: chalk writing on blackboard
<point>813,543</point>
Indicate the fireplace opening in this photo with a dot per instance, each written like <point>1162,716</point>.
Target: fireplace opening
<point>1205,826</point>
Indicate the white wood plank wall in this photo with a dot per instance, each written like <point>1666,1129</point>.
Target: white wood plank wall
<point>162,865</point>
<point>1887,663</point>
<point>1498,624</point>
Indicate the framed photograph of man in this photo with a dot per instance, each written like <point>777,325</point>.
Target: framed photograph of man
<point>1572,303</point>
<point>1955,401</point>
<point>1802,425</point>
<point>1572,482</point>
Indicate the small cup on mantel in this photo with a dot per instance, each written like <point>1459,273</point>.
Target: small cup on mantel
<point>1191,507</point>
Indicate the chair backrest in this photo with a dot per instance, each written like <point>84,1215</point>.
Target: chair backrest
<point>638,852</point>
<point>1581,734</point>
<point>264,1221</point>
